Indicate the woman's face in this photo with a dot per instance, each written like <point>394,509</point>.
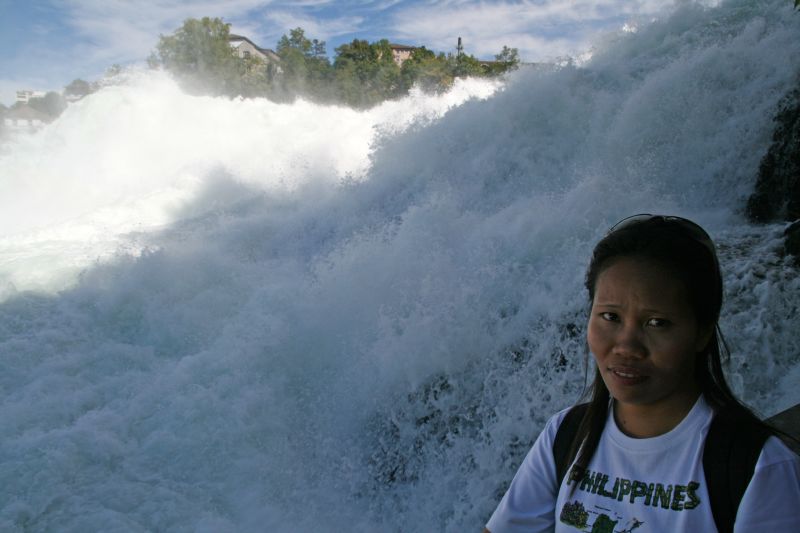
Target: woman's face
<point>644,335</point>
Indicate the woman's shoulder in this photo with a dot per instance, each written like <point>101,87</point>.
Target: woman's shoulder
<point>571,413</point>
<point>558,417</point>
<point>772,498</point>
<point>543,447</point>
<point>775,451</point>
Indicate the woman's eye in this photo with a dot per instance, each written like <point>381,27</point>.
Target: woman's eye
<point>610,317</point>
<point>657,322</point>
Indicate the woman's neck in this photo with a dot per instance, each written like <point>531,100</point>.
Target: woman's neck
<point>643,421</point>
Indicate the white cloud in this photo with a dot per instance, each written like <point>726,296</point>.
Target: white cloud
<point>103,32</point>
<point>316,28</point>
<point>539,29</point>
<point>121,30</point>
<point>386,4</point>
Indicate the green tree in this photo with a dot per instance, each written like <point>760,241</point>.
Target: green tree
<point>199,54</point>
<point>366,74</point>
<point>464,66</point>
<point>305,69</point>
<point>113,70</point>
<point>52,104</point>
<point>78,87</point>
<point>424,68</point>
<point>509,55</point>
<point>297,40</point>
<point>508,58</point>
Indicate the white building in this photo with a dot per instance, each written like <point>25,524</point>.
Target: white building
<point>25,95</point>
<point>245,48</point>
<point>24,119</point>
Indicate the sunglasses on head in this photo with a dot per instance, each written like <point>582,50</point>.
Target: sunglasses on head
<point>689,228</point>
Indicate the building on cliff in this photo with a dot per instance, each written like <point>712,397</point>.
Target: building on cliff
<point>246,49</point>
<point>401,52</point>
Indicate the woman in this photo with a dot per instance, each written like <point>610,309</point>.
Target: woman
<point>637,448</point>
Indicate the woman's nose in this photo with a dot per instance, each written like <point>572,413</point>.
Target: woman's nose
<point>629,342</point>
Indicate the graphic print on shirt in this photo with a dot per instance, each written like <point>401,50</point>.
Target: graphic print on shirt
<point>635,493</point>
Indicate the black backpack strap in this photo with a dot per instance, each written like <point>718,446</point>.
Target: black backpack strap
<point>564,436</point>
<point>731,451</point>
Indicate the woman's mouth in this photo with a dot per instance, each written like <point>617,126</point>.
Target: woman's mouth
<point>627,375</point>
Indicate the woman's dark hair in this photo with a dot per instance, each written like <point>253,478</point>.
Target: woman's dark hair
<point>685,250</point>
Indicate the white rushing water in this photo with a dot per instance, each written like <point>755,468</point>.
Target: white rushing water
<point>226,315</point>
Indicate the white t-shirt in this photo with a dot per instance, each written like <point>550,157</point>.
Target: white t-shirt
<point>646,485</point>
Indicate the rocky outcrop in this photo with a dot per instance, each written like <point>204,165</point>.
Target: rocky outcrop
<point>792,242</point>
<point>777,192</point>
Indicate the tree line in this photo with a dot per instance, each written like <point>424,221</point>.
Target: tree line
<point>53,103</point>
<point>361,74</point>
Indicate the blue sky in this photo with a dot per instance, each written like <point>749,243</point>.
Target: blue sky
<point>48,43</point>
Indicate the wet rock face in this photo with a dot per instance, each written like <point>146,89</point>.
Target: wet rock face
<point>792,242</point>
<point>777,192</point>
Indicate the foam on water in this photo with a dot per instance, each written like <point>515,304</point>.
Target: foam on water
<point>251,316</point>
<point>136,157</point>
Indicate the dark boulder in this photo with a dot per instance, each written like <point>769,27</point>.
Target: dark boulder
<point>792,241</point>
<point>777,192</point>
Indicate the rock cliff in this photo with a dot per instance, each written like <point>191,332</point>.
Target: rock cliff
<point>777,192</point>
